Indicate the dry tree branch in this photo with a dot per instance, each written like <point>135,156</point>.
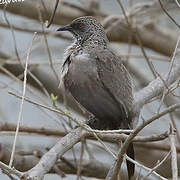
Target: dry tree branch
<point>42,166</point>
<point>27,160</point>
<point>113,138</point>
<point>18,57</point>
<point>151,36</point>
<point>158,165</point>
<point>46,42</point>
<point>146,168</point>
<point>177,3</point>
<point>173,122</point>
<point>165,89</point>
<point>143,77</point>
<point>90,168</point>
<point>156,86</point>
<point>50,158</point>
<point>59,111</point>
<point>173,154</point>
<point>53,14</point>
<point>172,19</point>
<point>138,39</point>
<point>79,168</point>
<point>13,34</point>
<point>10,170</point>
<point>22,102</point>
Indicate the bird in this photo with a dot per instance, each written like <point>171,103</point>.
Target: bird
<point>97,79</point>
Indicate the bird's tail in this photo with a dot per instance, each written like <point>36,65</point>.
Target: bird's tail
<point>130,165</point>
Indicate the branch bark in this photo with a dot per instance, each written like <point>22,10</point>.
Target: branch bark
<point>112,138</point>
<point>173,154</point>
<point>156,86</point>
<point>50,158</point>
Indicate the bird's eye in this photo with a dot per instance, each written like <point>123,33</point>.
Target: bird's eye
<point>80,26</point>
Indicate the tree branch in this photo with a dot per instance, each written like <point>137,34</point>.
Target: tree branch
<point>113,138</point>
<point>156,86</point>
<point>50,158</point>
<point>173,154</point>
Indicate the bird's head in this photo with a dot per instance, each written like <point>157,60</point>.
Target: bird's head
<point>84,28</point>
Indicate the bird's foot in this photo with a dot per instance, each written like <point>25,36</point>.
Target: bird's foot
<point>93,122</point>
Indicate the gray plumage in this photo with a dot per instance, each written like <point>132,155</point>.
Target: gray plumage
<point>96,77</point>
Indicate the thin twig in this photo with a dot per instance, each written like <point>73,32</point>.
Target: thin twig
<point>13,35</point>
<point>44,7</point>
<point>18,57</point>
<point>144,167</point>
<point>173,122</point>
<point>168,74</point>
<point>47,46</point>
<point>104,146</point>
<point>172,19</point>
<point>177,3</point>
<point>139,41</point>
<point>53,14</point>
<point>173,154</point>
<point>158,165</point>
<point>80,160</point>
<point>22,102</point>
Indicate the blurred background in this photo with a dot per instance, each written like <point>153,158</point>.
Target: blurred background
<point>19,21</point>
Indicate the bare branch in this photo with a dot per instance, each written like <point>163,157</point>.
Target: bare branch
<point>113,138</point>
<point>172,19</point>
<point>50,158</point>
<point>158,165</point>
<point>10,170</point>
<point>22,102</point>
<point>156,87</point>
<point>173,154</point>
<point>53,14</point>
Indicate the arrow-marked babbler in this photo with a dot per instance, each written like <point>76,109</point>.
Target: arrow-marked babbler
<point>97,79</point>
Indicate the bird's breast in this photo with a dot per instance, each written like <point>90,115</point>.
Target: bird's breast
<point>81,70</point>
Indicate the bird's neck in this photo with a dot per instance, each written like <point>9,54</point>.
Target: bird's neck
<point>92,41</point>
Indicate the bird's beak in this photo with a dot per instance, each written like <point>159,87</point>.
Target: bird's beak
<point>65,28</point>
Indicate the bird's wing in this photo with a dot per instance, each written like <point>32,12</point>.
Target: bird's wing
<point>115,79</point>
